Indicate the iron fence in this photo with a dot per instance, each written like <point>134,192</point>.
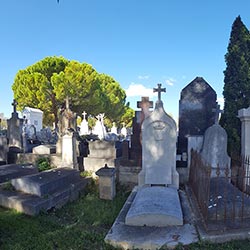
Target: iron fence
<point>222,196</point>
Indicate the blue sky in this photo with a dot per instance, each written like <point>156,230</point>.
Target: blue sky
<point>138,42</point>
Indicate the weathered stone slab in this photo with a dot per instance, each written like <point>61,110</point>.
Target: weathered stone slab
<point>44,149</point>
<point>155,206</point>
<point>47,182</point>
<point>11,171</point>
<point>151,238</point>
<point>102,149</point>
<point>33,204</point>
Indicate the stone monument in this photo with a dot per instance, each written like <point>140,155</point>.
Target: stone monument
<point>157,202</point>
<point>84,128</point>
<point>159,135</point>
<point>196,103</point>
<point>14,133</point>
<point>67,123</point>
<point>214,150</point>
<point>244,116</point>
<point>99,128</point>
<point>135,152</point>
<point>114,129</point>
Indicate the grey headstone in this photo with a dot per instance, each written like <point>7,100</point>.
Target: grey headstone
<point>14,132</point>
<point>44,149</point>
<point>214,150</point>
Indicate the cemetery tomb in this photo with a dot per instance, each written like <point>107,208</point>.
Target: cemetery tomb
<point>158,180</point>
<point>197,101</point>
<point>43,191</point>
<point>10,171</point>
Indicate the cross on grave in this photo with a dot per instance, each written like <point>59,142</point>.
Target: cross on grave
<point>14,104</point>
<point>217,112</point>
<point>84,115</point>
<point>159,90</point>
<point>145,105</point>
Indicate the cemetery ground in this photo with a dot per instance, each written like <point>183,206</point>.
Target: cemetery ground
<point>81,224</point>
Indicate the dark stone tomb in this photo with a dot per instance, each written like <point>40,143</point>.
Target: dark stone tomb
<point>198,99</point>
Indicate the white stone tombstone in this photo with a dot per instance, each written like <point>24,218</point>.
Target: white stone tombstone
<point>84,128</point>
<point>114,129</point>
<point>69,157</point>
<point>99,128</point>
<point>124,131</point>
<point>159,135</point>
<point>157,201</point>
<point>214,150</point>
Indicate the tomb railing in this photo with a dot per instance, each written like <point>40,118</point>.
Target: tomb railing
<point>223,198</point>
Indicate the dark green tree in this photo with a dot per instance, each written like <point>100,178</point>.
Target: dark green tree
<point>33,87</point>
<point>47,83</point>
<point>236,82</point>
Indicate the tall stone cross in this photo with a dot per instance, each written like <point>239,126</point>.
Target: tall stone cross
<point>84,115</point>
<point>159,90</point>
<point>14,104</point>
<point>145,105</point>
<point>217,112</point>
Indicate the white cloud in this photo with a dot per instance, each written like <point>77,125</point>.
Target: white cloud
<point>143,77</point>
<point>170,81</point>
<point>137,89</point>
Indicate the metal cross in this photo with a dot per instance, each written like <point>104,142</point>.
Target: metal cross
<point>217,112</point>
<point>84,115</point>
<point>159,90</point>
<point>14,104</point>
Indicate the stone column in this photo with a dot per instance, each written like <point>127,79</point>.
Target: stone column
<point>106,183</point>
<point>244,116</point>
<point>69,157</point>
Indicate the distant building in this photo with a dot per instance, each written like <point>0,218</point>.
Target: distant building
<point>34,117</point>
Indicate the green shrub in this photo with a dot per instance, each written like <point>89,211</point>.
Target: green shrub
<point>43,164</point>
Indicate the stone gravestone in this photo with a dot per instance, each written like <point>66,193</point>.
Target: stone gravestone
<point>195,113</point>
<point>157,202</point>
<point>114,129</point>
<point>99,128</point>
<point>3,149</point>
<point>14,133</point>
<point>84,128</point>
<point>214,150</point>
<point>145,105</point>
<point>159,135</point>
<point>67,121</point>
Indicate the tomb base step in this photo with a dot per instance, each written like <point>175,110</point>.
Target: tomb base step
<point>47,182</point>
<point>11,171</point>
<point>32,204</point>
